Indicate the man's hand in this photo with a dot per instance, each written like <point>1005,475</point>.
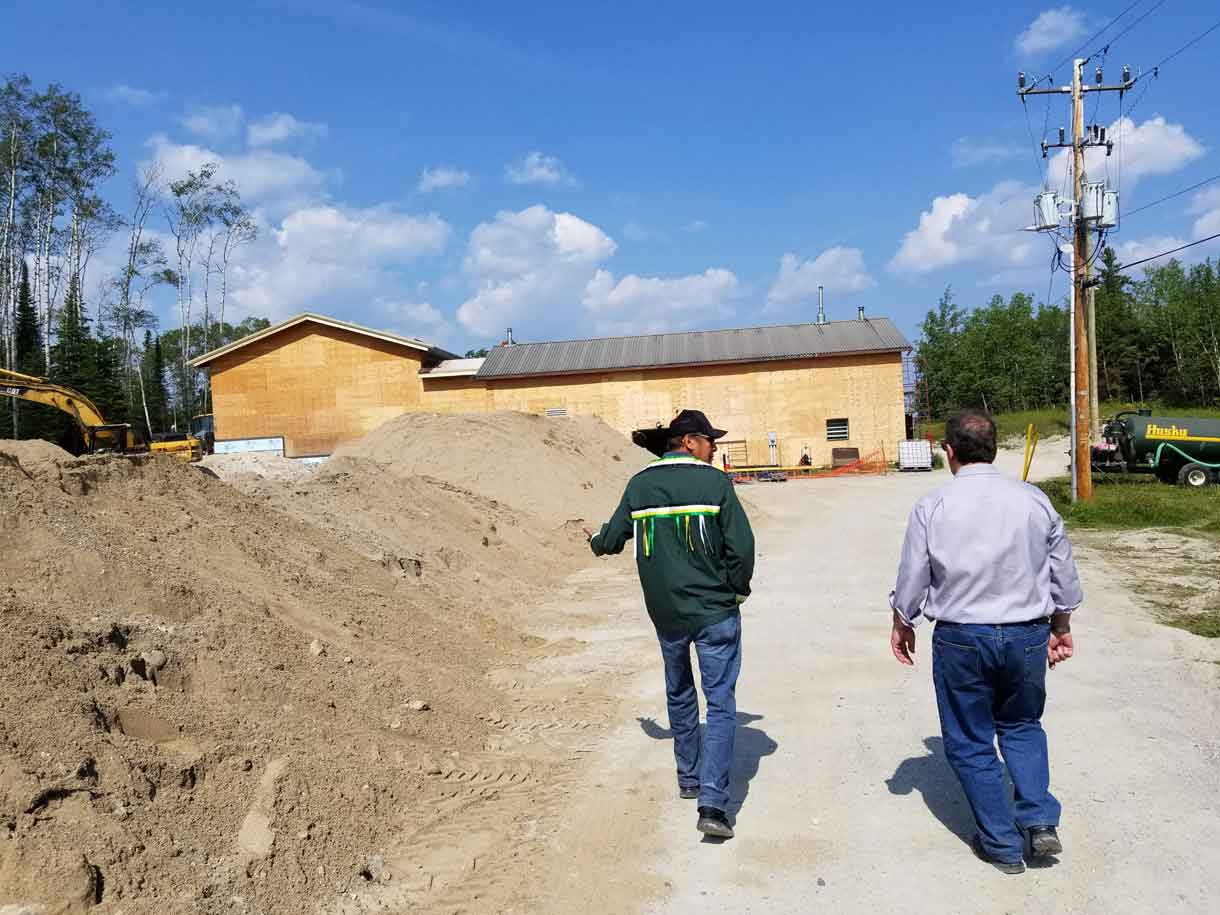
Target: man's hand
<point>1059,647</point>
<point>588,533</point>
<point>902,641</point>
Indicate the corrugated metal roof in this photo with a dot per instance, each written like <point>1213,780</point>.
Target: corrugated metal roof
<point>746,344</point>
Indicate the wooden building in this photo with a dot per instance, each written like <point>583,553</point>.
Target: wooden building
<point>314,382</point>
<point>781,392</point>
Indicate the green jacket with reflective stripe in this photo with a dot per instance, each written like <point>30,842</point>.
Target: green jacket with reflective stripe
<point>693,545</point>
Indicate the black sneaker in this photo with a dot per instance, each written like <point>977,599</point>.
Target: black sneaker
<point>1004,867</point>
<point>1044,842</point>
<point>714,822</point>
<point>688,792</point>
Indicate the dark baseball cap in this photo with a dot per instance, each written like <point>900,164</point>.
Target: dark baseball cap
<point>693,422</point>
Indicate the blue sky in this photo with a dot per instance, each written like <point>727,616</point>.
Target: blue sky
<point>575,169</point>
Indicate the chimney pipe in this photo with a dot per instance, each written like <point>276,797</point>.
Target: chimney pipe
<point>821,307</point>
<point>511,341</point>
<point>859,312</point>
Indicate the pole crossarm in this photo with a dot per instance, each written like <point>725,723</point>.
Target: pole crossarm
<point>1067,90</point>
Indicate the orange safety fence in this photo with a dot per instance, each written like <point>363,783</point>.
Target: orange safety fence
<point>873,463</point>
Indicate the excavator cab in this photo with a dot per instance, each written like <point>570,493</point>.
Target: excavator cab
<point>113,438</point>
<point>203,427</point>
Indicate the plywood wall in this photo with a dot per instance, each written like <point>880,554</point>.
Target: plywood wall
<point>317,386</point>
<point>792,398</point>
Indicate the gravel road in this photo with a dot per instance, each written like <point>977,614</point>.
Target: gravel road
<point>842,796</point>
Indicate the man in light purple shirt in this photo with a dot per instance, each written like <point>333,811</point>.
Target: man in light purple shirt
<point>987,558</point>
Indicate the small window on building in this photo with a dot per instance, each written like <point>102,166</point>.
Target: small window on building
<point>837,430</point>
<point>555,412</point>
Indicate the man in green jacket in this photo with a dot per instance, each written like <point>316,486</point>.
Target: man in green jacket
<point>695,554</point>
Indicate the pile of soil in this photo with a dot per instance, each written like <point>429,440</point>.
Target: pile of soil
<point>481,509</point>
<point>555,469</point>
<point>217,700</point>
<point>258,466</point>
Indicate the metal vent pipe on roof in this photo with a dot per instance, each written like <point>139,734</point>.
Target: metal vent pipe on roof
<point>821,307</point>
<point>859,312</point>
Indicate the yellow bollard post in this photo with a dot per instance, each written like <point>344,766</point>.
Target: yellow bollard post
<point>1031,445</point>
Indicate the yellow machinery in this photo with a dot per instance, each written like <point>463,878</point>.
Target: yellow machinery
<point>97,434</point>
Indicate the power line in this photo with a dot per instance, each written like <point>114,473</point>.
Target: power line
<point>1185,190</point>
<point>1165,253</point>
<point>1188,44</point>
<point>1098,34</point>
<point>1111,42</point>
<point>1038,163</point>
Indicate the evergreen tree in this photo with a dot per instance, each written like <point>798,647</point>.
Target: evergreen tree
<point>152,370</point>
<point>73,362</point>
<point>107,387</point>
<point>29,358</point>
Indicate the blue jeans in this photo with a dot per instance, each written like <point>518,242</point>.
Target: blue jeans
<point>704,764</point>
<point>991,682</point>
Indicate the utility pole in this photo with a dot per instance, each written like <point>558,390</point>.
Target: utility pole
<point>1082,467</point>
<point>1087,210</point>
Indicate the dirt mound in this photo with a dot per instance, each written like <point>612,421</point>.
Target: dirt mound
<point>220,699</point>
<point>40,460</point>
<point>33,451</point>
<point>251,467</point>
<point>201,698</point>
<point>483,510</point>
<point>556,469</point>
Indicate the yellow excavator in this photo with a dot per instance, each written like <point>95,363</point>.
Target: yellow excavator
<point>97,435</point>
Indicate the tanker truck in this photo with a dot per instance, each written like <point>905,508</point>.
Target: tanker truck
<point>1177,449</point>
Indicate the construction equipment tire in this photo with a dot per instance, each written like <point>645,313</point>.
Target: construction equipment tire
<point>1195,476</point>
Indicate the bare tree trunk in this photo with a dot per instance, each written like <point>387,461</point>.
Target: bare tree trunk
<point>144,402</point>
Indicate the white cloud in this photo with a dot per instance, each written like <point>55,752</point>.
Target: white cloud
<point>1206,205</point>
<point>639,232</point>
<point>279,127</point>
<point>651,304</point>
<point>413,319</point>
<point>265,178</point>
<point>967,151</point>
<point>442,177</point>
<point>1205,201</point>
<point>215,122</point>
<point>1139,248</point>
<point>131,95</point>
<point>695,225</point>
<point>1052,29</point>
<point>958,228</point>
<point>371,235</point>
<point>1154,147</point>
<point>538,168</point>
<point>529,264</point>
<point>839,269</point>
<point>547,270</point>
<point>331,258</point>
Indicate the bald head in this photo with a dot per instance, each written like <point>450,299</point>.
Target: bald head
<point>971,435</point>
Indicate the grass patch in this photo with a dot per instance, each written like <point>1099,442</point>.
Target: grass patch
<point>1206,624</point>
<point>1135,502</point>
<point>1055,420</point>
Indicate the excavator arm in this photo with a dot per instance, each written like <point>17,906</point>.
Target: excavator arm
<point>98,435</point>
<point>39,390</point>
